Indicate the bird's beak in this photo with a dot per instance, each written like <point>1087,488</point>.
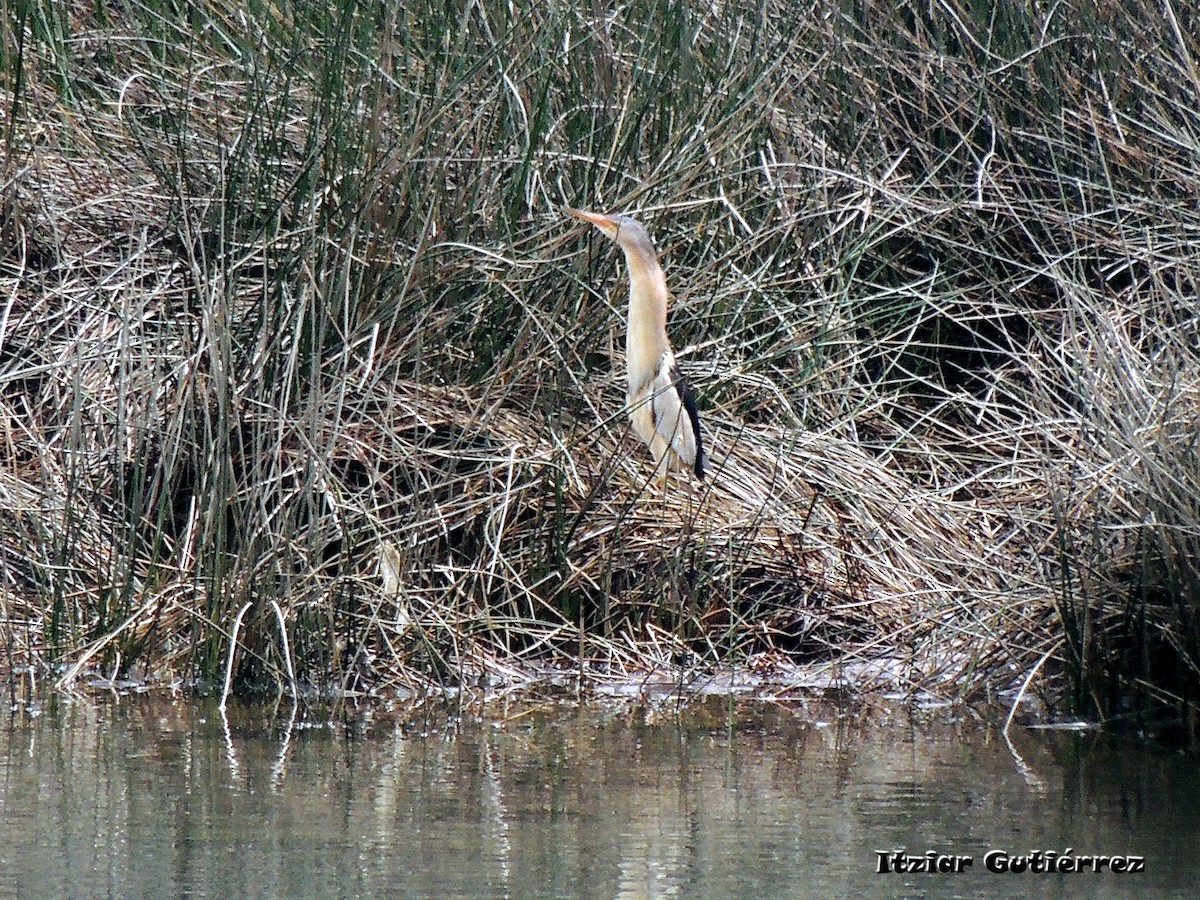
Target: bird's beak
<point>606,224</point>
<point>603,222</point>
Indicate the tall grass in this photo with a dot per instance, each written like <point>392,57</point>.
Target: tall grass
<point>290,314</point>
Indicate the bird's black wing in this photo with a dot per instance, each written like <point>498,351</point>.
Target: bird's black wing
<point>688,398</point>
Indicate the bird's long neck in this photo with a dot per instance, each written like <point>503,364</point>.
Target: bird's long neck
<point>646,338</point>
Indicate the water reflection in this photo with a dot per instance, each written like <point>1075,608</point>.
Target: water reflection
<point>148,798</point>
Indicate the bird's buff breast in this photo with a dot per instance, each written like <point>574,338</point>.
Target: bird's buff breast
<point>641,413</point>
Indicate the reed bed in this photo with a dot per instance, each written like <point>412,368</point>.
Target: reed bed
<point>289,314</point>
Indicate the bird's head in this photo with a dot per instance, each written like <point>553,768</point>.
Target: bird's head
<point>628,232</point>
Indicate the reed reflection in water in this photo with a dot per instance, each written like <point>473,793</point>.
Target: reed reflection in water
<point>148,798</point>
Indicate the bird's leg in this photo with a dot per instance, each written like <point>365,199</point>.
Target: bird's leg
<point>661,453</point>
<point>659,478</point>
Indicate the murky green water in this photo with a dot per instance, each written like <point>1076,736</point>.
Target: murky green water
<point>144,798</point>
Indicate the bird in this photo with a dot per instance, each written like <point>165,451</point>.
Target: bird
<point>662,406</point>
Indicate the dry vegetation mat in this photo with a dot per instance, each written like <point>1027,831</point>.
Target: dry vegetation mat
<point>289,318</point>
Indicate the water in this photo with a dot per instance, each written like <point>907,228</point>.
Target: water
<point>150,798</point>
